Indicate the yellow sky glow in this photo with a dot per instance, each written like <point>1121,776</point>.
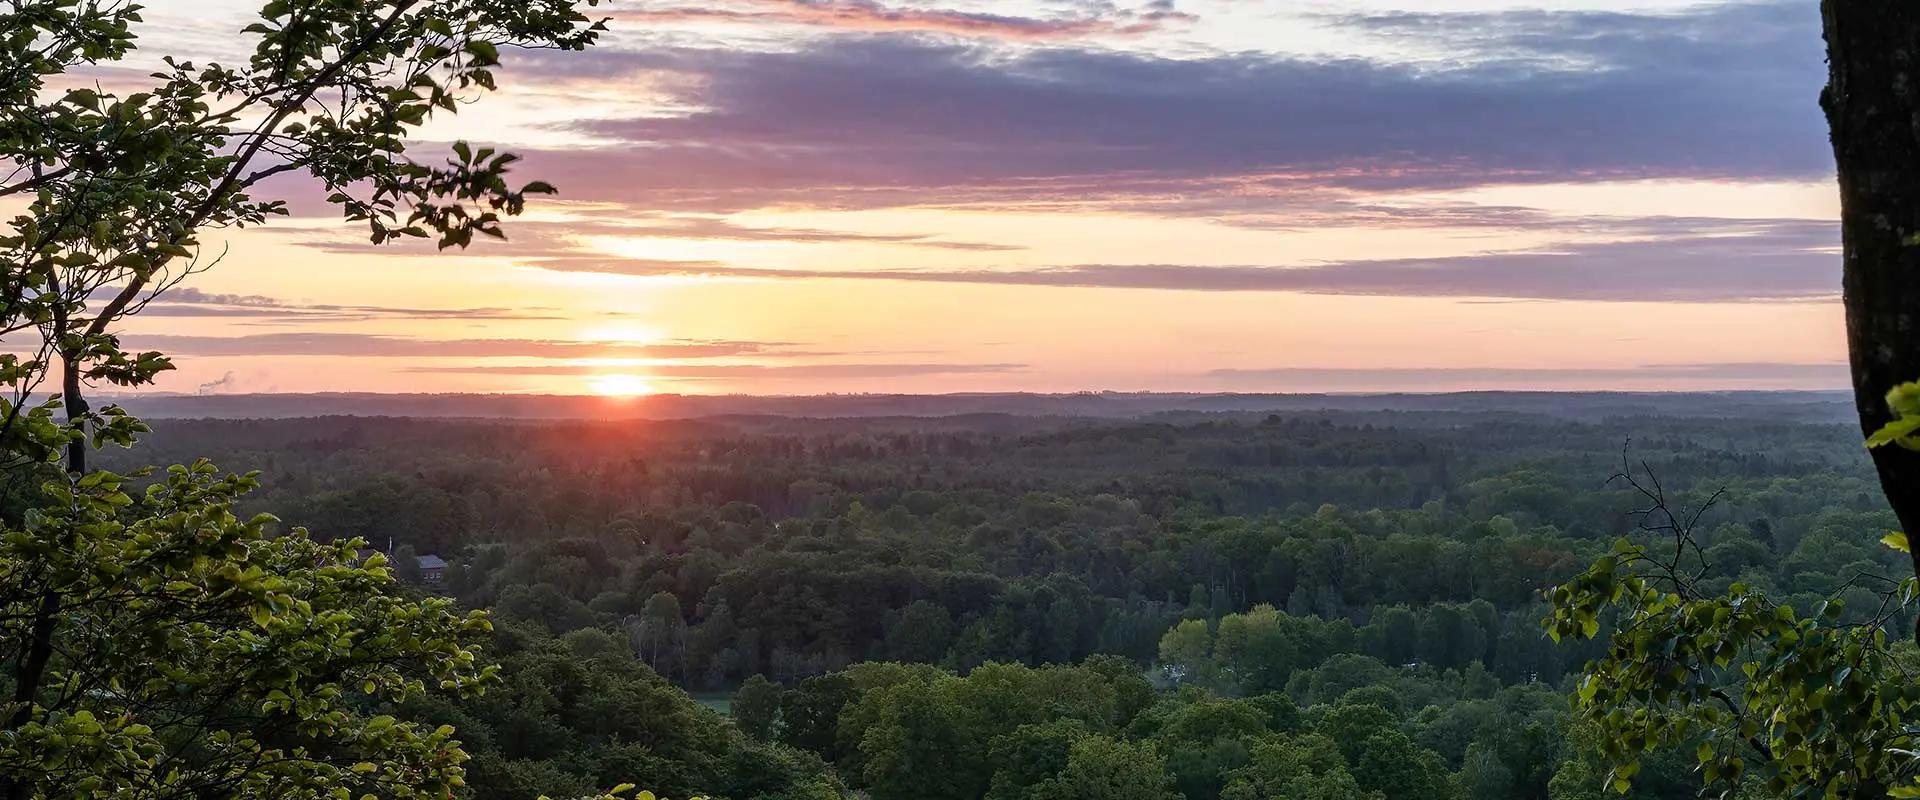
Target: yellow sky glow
<point>937,288</point>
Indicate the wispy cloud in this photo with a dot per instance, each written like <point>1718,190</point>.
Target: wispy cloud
<point>1698,261</point>
<point>532,237</point>
<point>733,371</point>
<point>371,345</point>
<point>870,16</point>
<point>1722,92</point>
<point>186,301</point>
<point>1766,373</point>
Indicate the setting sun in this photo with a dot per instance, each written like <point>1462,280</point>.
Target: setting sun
<point>619,385</point>
<point>1091,399</point>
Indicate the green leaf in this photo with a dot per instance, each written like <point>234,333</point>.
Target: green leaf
<point>1894,431</point>
<point>484,52</point>
<point>84,98</point>
<point>1904,399</point>
<point>1897,541</point>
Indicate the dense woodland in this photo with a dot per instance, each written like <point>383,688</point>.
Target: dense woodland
<point>1307,604</point>
<point>1103,597</point>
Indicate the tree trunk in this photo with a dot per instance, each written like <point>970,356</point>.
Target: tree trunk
<point>76,407</point>
<point>1872,101</point>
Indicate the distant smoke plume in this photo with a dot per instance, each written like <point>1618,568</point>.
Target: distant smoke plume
<point>212,387</point>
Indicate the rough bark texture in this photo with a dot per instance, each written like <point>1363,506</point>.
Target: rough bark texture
<point>1872,102</point>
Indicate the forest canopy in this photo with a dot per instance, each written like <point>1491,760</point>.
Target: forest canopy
<point>1251,605</point>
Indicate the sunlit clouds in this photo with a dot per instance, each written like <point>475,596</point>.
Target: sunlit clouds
<point>800,196</point>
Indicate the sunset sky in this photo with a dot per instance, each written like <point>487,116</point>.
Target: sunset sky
<point>794,197</point>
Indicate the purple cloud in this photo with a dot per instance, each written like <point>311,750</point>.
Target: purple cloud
<point>1691,261</point>
<point>527,238</point>
<point>186,301</point>
<point>315,343</point>
<point>737,371</point>
<point>869,16</point>
<point>1726,92</point>
<point>1832,375</point>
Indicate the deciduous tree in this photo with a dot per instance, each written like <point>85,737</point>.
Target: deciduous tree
<point>158,645</point>
<point>756,707</point>
<point>1870,102</point>
<point>119,188</point>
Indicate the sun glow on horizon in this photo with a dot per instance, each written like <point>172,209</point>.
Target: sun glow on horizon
<point>624,333</point>
<point>619,385</point>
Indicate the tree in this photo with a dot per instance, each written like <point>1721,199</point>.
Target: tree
<point>160,645</point>
<point>810,713</point>
<point>1132,691</point>
<point>1484,776</point>
<point>579,711</point>
<point>196,654</point>
<point>756,706</point>
<point>1184,652</point>
<point>1205,739</point>
<point>1258,651</point>
<point>660,632</point>
<point>1575,780</point>
<point>1870,105</point>
<point>405,563</point>
<point>1306,768</point>
<point>919,748</point>
<point>119,188</point>
<point>1030,755</point>
<point>1804,701</point>
<point>932,737</point>
<point>1392,765</point>
<point>920,632</point>
<point>1352,727</point>
<point>1391,636</point>
<point>1100,768</point>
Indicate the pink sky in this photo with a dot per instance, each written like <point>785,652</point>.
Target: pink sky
<point>787,197</point>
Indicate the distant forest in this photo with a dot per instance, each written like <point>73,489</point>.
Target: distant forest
<point>1803,406</point>
<point>1310,603</point>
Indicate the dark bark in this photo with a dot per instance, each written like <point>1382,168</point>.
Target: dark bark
<point>76,408</point>
<point>30,667</point>
<point>29,672</point>
<point>1872,101</point>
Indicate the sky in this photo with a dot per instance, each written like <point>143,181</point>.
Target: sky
<point>930,196</point>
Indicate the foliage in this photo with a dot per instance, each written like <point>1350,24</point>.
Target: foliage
<point>1099,768</point>
<point>620,793</point>
<point>1029,755</point>
<point>191,653</point>
<point>1308,768</point>
<point>756,707</point>
<point>1804,705</point>
<point>1339,566</point>
<point>118,188</point>
<point>1904,430</point>
<point>580,711</point>
<point>160,644</point>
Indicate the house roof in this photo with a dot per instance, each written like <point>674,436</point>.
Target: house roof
<point>430,562</point>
